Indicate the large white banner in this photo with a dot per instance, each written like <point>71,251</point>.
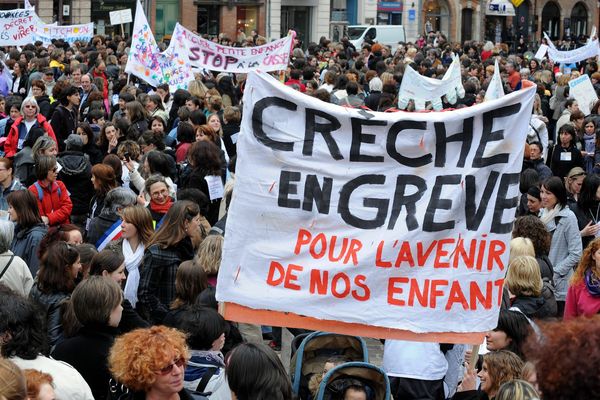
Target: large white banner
<point>202,53</point>
<point>590,50</point>
<point>397,220</point>
<point>18,26</point>
<point>68,33</point>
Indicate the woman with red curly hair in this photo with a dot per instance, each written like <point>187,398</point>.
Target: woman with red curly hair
<point>583,296</point>
<point>151,363</point>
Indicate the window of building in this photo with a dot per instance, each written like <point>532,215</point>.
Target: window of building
<point>247,19</point>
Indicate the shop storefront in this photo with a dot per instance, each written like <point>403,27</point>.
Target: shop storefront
<point>496,26</point>
<point>389,13</point>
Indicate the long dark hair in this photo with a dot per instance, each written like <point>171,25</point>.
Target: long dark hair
<point>516,327</point>
<point>205,155</point>
<point>26,206</point>
<point>587,196</point>
<point>55,268</point>
<point>25,322</point>
<point>172,230</point>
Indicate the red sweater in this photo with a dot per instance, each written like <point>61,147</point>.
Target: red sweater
<point>56,208</point>
<point>580,302</point>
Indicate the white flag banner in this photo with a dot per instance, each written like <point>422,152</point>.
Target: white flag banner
<point>590,50</point>
<point>27,4</point>
<point>68,33</point>
<point>273,56</point>
<point>142,61</point>
<point>495,89</point>
<point>395,220</point>
<point>541,53</point>
<point>422,89</point>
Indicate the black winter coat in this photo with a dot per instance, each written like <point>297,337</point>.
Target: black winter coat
<point>88,352</point>
<point>52,304</point>
<point>64,123</point>
<point>44,103</point>
<point>76,174</point>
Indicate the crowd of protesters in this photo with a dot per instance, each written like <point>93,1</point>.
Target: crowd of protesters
<point>91,155</point>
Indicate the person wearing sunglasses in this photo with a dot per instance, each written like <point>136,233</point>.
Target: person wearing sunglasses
<point>53,197</point>
<point>151,363</point>
<point>27,128</point>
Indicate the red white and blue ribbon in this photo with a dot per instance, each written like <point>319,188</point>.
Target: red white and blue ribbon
<point>113,233</point>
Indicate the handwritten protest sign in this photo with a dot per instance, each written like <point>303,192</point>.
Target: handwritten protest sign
<point>583,91</point>
<point>393,220</point>
<point>206,54</point>
<point>68,33</point>
<point>120,16</point>
<point>17,26</point>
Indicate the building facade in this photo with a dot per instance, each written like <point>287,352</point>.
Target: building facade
<point>459,20</point>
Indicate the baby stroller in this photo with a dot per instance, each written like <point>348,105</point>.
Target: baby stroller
<point>359,375</point>
<point>315,350</point>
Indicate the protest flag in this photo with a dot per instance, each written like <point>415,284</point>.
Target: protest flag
<point>142,61</point>
<point>495,89</point>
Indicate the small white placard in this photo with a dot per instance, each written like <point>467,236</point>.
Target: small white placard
<point>120,16</point>
<point>215,187</point>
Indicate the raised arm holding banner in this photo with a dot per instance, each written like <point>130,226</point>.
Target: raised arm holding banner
<point>386,224</point>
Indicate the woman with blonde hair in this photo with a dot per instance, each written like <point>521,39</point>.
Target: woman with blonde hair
<point>12,381</point>
<point>525,284</point>
<point>517,390</point>
<point>521,246</point>
<point>583,295</point>
<point>209,257</point>
<point>197,89</point>
<point>151,362</point>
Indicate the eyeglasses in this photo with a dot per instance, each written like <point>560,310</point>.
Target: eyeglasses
<point>162,193</point>
<point>29,106</point>
<point>180,362</point>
